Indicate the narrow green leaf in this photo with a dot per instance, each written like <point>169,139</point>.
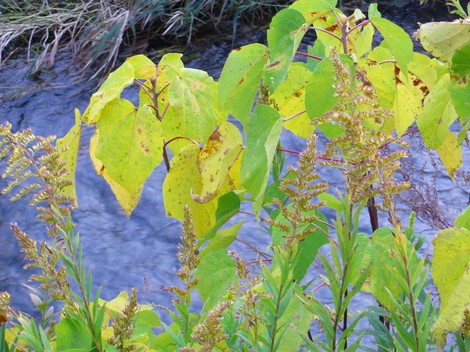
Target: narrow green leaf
<point>239,80</point>
<point>227,206</point>
<point>222,239</point>
<point>285,33</point>
<point>262,136</point>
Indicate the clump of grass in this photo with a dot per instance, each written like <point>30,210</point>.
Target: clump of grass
<point>96,31</point>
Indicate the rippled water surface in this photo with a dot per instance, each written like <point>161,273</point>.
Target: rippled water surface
<point>120,252</point>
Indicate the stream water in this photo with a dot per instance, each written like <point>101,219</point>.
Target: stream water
<point>138,252</point>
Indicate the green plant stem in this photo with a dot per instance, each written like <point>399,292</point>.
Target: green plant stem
<point>274,327</point>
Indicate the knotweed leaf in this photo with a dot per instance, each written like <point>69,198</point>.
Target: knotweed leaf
<point>396,40</point>
<point>182,181</point>
<point>69,145</point>
<point>239,80</point>
<point>442,39</point>
<point>451,273</point>
<point>217,157</point>
<point>216,272</point>
<point>127,200</point>
<point>461,60</point>
<point>262,136</point>
<point>313,9</point>
<point>438,114</point>
<point>290,98</point>
<point>460,95</point>
<point>130,143</point>
<point>285,33</point>
<point>450,153</point>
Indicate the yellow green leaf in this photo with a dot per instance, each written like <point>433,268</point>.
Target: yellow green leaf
<point>290,98</point>
<point>181,182</point>
<point>407,107</point>
<point>127,200</point>
<point>437,115</point>
<point>239,80</point>
<point>191,113</point>
<point>110,89</point>
<point>442,39</point>
<point>130,143</point>
<point>69,145</point>
<point>217,157</point>
<point>451,273</point>
<point>144,68</point>
<point>450,153</point>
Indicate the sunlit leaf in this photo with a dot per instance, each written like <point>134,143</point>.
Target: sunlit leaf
<point>222,239</point>
<point>463,220</point>
<point>451,273</point>
<point>191,113</point>
<point>438,114</point>
<point>290,98</point>
<point>130,143</point>
<point>181,182</point>
<point>396,40</point>
<point>313,9</point>
<point>320,93</point>
<point>285,33</point>
<point>144,68</point>
<point>407,107</point>
<point>262,136</point>
<point>217,157</point>
<point>69,146</point>
<point>111,89</point>
<point>216,272</point>
<point>442,39</point>
<point>239,80</point>
<point>127,200</point>
<point>450,153</point>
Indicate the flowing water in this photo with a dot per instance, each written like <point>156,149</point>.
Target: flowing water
<point>138,252</point>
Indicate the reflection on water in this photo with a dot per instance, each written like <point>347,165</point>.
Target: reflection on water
<point>140,251</point>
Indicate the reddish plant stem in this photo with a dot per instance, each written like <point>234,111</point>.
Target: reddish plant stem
<point>318,156</point>
<point>264,255</point>
<point>300,53</point>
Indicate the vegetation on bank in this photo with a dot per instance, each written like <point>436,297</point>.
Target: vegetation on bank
<point>364,100</point>
<point>96,31</point>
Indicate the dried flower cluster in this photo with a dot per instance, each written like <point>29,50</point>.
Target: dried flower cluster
<point>369,170</point>
<point>123,326</point>
<point>301,189</point>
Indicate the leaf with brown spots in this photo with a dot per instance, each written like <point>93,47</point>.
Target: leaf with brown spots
<point>217,157</point>
<point>130,143</point>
